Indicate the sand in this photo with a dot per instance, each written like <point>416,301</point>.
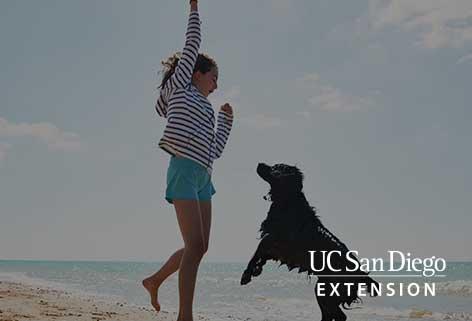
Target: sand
<point>19,302</point>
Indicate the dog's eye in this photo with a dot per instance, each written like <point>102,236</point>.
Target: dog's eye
<point>280,170</point>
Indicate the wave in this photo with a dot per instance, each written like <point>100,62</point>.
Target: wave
<point>23,278</point>
<point>263,304</point>
<point>388,313</point>
<point>459,287</point>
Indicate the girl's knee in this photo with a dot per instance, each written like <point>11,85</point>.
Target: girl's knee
<point>195,249</point>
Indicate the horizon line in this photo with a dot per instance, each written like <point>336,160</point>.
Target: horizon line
<point>160,261</point>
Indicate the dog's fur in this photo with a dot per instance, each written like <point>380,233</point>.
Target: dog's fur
<point>291,229</point>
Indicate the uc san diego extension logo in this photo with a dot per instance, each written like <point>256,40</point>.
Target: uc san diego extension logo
<point>415,274</point>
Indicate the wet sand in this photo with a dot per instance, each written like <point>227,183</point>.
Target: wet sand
<point>19,302</point>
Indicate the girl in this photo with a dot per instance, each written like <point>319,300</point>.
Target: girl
<point>190,139</point>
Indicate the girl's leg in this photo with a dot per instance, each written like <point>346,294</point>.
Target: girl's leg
<point>153,282</point>
<point>190,223</point>
<point>205,210</point>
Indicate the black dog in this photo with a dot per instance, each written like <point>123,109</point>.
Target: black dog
<point>291,229</point>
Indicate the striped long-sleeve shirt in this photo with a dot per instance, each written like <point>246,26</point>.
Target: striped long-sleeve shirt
<point>190,130</point>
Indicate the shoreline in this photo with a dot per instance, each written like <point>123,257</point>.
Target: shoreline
<point>23,298</point>
<point>21,302</point>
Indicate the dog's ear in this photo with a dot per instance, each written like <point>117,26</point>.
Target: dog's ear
<point>299,173</point>
<point>298,185</point>
<point>298,177</point>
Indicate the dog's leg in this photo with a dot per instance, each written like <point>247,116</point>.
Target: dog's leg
<point>257,269</point>
<point>339,315</point>
<point>325,307</point>
<point>254,267</point>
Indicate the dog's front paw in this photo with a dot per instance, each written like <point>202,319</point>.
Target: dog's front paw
<point>257,270</point>
<point>246,278</point>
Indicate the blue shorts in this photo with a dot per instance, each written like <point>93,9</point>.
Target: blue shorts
<point>188,180</point>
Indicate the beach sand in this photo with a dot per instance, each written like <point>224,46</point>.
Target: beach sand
<point>19,302</point>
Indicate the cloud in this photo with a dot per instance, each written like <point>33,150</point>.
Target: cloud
<point>229,96</point>
<point>261,121</point>
<point>3,150</point>
<point>304,114</point>
<point>281,6</point>
<point>232,96</point>
<point>329,98</point>
<point>464,59</point>
<point>281,9</point>
<point>438,23</point>
<point>47,133</point>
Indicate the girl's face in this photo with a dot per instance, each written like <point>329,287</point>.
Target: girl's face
<point>206,82</point>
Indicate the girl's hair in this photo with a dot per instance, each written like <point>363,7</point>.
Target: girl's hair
<point>204,64</point>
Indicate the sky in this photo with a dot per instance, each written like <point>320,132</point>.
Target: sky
<point>370,99</point>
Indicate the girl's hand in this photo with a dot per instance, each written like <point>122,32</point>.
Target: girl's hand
<point>193,5</point>
<point>227,109</point>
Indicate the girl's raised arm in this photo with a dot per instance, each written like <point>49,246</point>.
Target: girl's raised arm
<point>184,70</point>
<point>182,75</point>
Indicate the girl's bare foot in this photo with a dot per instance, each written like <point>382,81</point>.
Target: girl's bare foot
<point>152,286</point>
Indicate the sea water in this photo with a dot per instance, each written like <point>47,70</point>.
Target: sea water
<point>275,295</point>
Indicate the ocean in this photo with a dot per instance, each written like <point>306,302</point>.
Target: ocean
<point>276,295</point>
